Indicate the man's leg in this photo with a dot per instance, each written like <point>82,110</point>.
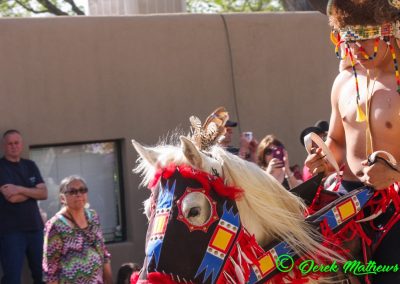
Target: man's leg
<point>35,254</point>
<point>12,247</point>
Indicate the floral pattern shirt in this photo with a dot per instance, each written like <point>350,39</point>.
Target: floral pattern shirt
<point>74,255</point>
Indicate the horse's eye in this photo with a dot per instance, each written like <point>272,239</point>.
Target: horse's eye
<point>193,212</point>
<point>196,209</point>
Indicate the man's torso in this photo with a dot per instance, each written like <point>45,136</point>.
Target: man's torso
<point>384,118</point>
<point>23,216</point>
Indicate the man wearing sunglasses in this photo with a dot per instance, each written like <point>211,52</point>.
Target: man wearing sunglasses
<point>21,225</point>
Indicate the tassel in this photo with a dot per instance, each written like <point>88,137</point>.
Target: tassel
<point>238,271</point>
<point>335,39</point>
<point>360,114</point>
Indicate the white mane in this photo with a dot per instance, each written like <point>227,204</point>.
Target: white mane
<point>267,209</point>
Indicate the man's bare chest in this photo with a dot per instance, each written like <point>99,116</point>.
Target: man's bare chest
<point>380,102</point>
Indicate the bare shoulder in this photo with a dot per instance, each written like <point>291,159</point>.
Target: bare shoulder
<point>343,77</point>
<point>340,81</point>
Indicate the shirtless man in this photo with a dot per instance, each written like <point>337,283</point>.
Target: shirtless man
<point>378,99</point>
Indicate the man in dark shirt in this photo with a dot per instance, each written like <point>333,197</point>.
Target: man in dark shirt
<point>21,225</point>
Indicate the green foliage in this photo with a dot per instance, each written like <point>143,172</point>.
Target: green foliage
<point>26,8</point>
<point>12,9</point>
<point>221,6</point>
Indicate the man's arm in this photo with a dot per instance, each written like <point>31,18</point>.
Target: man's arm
<point>17,198</point>
<point>16,194</point>
<point>336,141</point>
<point>39,192</point>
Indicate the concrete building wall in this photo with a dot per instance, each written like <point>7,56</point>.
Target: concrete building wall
<point>78,79</point>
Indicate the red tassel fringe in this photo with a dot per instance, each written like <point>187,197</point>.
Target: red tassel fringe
<point>207,180</point>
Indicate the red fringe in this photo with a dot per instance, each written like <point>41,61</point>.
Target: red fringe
<point>207,180</point>
<point>154,278</point>
<point>253,252</point>
<point>379,202</point>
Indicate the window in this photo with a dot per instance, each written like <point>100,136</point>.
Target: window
<point>99,164</point>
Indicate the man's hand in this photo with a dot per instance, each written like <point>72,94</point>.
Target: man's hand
<point>378,175</point>
<point>316,162</point>
<point>9,190</point>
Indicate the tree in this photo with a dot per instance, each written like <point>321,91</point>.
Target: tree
<point>20,8</point>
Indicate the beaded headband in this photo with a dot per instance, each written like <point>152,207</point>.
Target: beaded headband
<point>356,33</point>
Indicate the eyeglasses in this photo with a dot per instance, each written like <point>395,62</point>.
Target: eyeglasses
<point>267,151</point>
<point>75,191</point>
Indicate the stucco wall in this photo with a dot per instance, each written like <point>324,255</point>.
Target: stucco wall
<point>92,78</point>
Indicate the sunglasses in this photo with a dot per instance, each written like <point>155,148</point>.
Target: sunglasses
<point>75,191</point>
<point>267,151</point>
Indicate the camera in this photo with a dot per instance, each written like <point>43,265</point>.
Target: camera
<point>278,153</point>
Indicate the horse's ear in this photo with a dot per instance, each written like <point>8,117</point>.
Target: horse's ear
<point>147,154</point>
<point>191,153</point>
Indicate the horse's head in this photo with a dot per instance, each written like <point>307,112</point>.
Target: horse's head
<point>193,218</point>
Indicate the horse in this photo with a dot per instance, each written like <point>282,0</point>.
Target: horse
<point>216,218</point>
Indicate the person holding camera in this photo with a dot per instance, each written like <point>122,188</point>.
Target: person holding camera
<point>273,158</point>
<point>248,146</point>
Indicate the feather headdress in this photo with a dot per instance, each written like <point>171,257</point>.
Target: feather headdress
<point>212,131</point>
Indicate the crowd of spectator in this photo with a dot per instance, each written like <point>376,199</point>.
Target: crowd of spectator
<point>270,153</point>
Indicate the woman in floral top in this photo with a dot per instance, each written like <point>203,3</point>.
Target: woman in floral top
<point>74,250</point>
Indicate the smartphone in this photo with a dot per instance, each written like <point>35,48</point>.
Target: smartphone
<point>248,135</point>
<point>278,153</point>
